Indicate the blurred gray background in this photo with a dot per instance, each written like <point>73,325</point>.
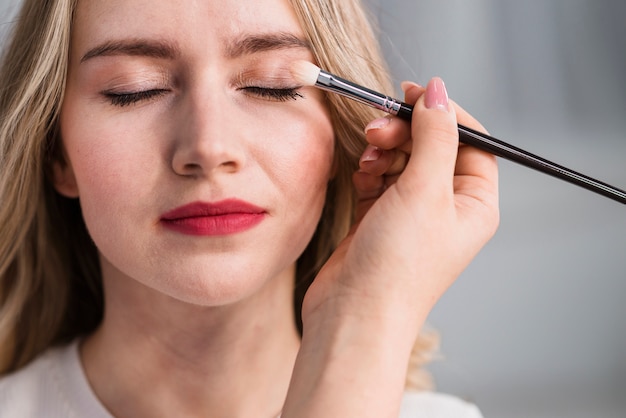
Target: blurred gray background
<point>535,326</point>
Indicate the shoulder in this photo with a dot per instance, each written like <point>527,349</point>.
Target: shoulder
<point>436,405</point>
<point>53,385</point>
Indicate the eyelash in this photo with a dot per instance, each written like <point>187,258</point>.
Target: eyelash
<point>127,99</point>
<point>279,95</point>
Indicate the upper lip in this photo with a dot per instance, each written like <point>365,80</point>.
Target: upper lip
<point>201,209</point>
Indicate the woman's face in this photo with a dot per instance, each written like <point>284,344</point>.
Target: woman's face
<point>200,166</point>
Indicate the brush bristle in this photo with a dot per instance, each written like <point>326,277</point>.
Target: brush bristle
<point>305,72</point>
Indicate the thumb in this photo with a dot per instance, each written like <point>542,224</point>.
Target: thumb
<point>435,141</point>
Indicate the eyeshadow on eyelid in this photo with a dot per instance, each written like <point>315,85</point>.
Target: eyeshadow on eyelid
<point>139,78</point>
<point>279,76</point>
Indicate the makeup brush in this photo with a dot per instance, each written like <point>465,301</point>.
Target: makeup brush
<point>308,74</point>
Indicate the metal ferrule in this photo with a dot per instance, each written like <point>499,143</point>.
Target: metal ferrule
<point>330,82</point>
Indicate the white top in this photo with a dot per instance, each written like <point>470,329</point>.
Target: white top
<point>55,386</point>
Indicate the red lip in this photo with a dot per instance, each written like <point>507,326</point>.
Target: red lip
<point>211,219</point>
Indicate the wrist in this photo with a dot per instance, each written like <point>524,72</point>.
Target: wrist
<point>351,364</point>
<point>397,318</point>
<point>367,331</point>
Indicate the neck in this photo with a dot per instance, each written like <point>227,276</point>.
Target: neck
<point>153,354</point>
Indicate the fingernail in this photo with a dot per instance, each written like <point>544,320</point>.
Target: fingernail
<point>371,153</point>
<point>379,123</point>
<point>436,95</point>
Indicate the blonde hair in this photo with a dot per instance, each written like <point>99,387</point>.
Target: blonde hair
<point>50,281</point>
<point>33,289</point>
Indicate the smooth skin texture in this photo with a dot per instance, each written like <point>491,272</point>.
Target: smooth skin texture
<point>163,109</point>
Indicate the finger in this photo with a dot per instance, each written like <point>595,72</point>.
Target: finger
<point>412,91</point>
<point>388,133</point>
<point>398,163</point>
<point>376,161</point>
<point>474,162</point>
<point>435,142</point>
<point>368,189</point>
<point>476,175</point>
<point>380,162</point>
<point>367,186</point>
<point>390,180</point>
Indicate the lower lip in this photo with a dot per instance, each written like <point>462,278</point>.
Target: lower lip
<point>227,224</point>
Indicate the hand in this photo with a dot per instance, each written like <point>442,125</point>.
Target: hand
<point>426,206</point>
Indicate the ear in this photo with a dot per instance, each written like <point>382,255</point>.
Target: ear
<point>63,179</point>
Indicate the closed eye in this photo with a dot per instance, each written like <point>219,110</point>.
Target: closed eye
<point>129,98</point>
<point>274,94</point>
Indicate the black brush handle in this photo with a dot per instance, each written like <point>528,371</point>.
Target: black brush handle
<point>502,149</point>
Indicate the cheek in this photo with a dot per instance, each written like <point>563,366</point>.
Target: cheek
<point>302,151</point>
<point>111,161</point>
<point>303,185</point>
<point>298,161</point>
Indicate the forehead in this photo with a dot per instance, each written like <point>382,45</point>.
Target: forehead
<point>202,23</point>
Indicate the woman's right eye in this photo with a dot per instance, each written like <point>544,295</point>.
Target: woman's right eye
<point>128,98</point>
<point>274,94</point>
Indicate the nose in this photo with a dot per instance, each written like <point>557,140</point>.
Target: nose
<point>207,138</point>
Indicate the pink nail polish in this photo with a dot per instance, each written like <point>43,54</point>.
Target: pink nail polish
<point>436,95</point>
<point>379,123</point>
<point>371,153</point>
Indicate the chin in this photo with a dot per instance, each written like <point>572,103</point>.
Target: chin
<point>200,278</point>
<point>213,287</point>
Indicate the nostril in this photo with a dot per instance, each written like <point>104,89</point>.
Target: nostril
<point>197,170</point>
<point>229,166</point>
<point>190,169</point>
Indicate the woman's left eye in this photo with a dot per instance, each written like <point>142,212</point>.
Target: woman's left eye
<point>275,94</point>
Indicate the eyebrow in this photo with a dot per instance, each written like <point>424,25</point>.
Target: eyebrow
<point>133,47</point>
<point>245,45</point>
<point>250,44</point>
